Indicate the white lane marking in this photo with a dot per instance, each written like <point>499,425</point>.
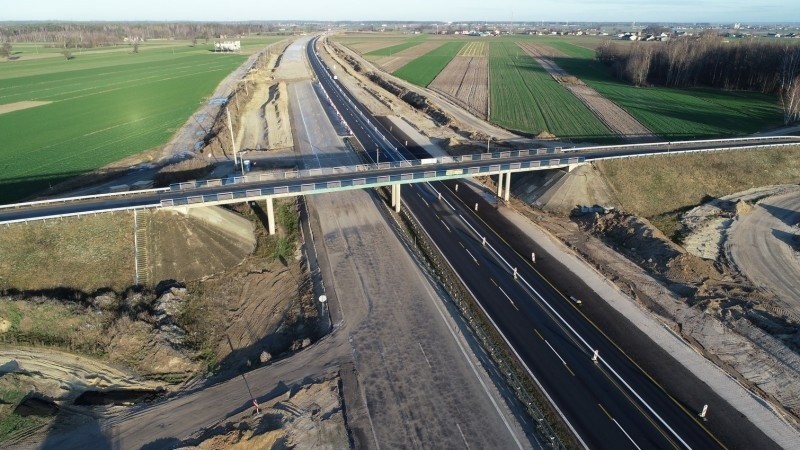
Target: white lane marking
<point>626,434</point>
<point>554,351</point>
<point>509,298</point>
<point>462,436</point>
<point>470,254</point>
<point>439,194</point>
<point>423,354</point>
<point>586,344</point>
<point>448,228</point>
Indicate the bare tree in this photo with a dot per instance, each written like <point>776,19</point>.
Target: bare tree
<point>67,54</point>
<point>5,50</point>
<point>639,63</point>
<point>790,83</point>
<point>136,47</point>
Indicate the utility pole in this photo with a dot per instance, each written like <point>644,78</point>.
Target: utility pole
<point>233,143</point>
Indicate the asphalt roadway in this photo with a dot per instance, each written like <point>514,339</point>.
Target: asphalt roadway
<point>609,403</point>
<point>412,377</point>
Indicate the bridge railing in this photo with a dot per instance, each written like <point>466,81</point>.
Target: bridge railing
<point>507,154</point>
<point>81,198</point>
<point>292,174</point>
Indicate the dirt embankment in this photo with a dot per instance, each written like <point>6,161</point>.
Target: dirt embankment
<point>256,115</point>
<point>309,418</point>
<point>242,317</point>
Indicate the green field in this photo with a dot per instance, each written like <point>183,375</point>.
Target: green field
<point>424,69</point>
<point>526,98</point>
<point>674,113</point>
<point>393,49</point>
<point>523,97</point>
<point>107,104</point>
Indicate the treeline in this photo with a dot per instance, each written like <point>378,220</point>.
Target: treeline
<point>750,65</point>
<point>99,34</point>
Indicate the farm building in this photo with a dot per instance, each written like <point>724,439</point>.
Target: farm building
<point>228,46</point>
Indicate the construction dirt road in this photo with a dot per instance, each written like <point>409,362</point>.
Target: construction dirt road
<point>763,245</point>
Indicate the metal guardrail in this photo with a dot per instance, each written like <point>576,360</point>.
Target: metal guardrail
<point>696,150</point>
<point>82,197</point>
<point>82,213</point>
<point>671,143</point>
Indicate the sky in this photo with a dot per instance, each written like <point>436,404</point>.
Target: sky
<point>714,11</point>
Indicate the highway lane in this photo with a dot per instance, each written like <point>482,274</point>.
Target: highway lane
<point>609,404</point>
<point>600,407</point>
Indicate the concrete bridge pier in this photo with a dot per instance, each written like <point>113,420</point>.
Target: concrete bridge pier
<point>396,197</point>
<point>508,187</point>
<point>270,215</point>
<point>500,185</point>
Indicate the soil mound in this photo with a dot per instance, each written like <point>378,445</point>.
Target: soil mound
<point>546,135</point>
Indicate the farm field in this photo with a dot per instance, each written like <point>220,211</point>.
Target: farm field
<point>398,47</point>
<point>614,117</point>
<point>104,106</point>
<point>397,60</point>
<point>524,97</point>
<point>673,113</point>
<point>424,69</point>
<point>465,81</point>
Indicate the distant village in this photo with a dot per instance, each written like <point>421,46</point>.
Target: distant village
<point>631,32</point>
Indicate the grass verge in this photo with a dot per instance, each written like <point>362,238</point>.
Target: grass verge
<point>662,188</point>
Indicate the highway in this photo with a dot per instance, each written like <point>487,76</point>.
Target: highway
<point>610,403</point>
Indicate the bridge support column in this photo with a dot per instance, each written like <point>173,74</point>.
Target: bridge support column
<point>271,216</point>
<point>500,184</point>
<point>396,197</point>
<point>508,187</point>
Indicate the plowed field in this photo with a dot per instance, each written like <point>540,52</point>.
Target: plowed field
<point>474,49</point>
<point>465,81</point>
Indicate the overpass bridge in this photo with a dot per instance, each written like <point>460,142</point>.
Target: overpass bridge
<point>275,184</point>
